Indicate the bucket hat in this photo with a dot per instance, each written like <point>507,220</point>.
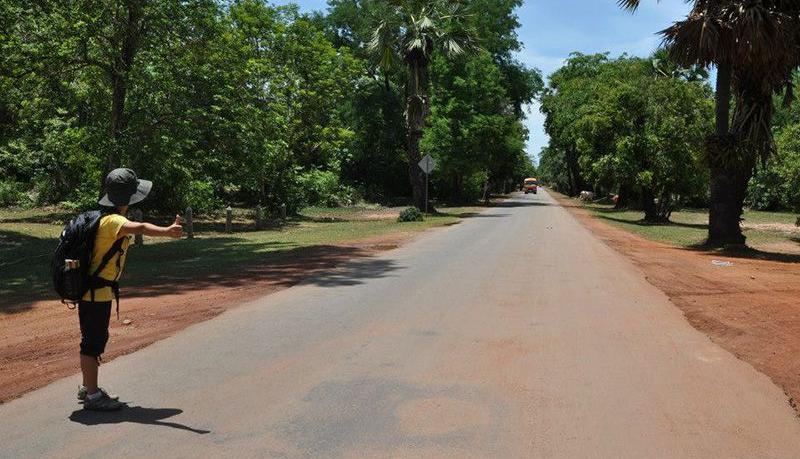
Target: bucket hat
<point>123,188</point>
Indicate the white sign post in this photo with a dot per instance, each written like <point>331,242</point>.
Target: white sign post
<point>428,164</point>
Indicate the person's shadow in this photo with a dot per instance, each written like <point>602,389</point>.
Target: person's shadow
<point>135,414</point>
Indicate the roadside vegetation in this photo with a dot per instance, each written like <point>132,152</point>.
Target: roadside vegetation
<point>27,238</point>
<point>246,103</point>
<point>745,154</point>
<point>768,232</point>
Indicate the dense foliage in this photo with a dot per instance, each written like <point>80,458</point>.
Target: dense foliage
<point>244,102</point>
<point>776,184</point>
<point>753,45</point>
<point>629,127</point>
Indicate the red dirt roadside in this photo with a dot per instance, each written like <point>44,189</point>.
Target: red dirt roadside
<point>40,344</point>
<point>752,309</point>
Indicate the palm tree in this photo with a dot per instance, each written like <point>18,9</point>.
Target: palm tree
<point>754,46</point>
<point>409,32</point>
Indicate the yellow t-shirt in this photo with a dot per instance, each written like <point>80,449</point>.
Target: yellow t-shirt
<point>107,233</point>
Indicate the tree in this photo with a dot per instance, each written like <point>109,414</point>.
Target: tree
<point>633,126</point>
<point>641,132</point>
<point>562,103</point>
<point>242,102</point>
<point>411,31</point>
<point>474,130</point>
<point>754,45</point>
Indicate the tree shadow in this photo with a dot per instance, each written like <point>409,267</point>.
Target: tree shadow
<point>515,203</point>
<point>470,215</point>
<point>204,226</point>
<point>59,217</point>
<point>24,265</point>
<point>243,265</point>
<point>198,264</point>
<point>135,415</point>
<point>746,253</point>
<point>353,273</point>
<point>643,222</point>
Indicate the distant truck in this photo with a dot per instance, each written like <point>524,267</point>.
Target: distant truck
<point>531,185</point>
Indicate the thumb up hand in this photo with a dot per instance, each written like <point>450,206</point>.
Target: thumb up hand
<point>175,230</point>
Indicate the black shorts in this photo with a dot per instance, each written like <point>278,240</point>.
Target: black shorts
<point>94,318</point>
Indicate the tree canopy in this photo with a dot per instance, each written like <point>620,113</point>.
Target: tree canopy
<point>626,127</point>
<point>247,103</point>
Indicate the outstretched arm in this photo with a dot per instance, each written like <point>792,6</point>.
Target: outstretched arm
<point>148,229</point>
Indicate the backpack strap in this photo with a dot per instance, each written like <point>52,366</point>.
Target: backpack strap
<point>115,248</point>
<point>95,281</point>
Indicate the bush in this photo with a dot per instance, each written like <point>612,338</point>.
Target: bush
<point>411,214</point>
<point>322,188</point>
<point>766,190</point>
<point>200,196</point>
<point>12,194</point>
<point>84,198</point>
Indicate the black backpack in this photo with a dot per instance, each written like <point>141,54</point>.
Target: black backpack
<point>77,243</point>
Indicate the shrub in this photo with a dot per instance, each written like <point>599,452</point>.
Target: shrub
<point>11,194</point>
<point>411,214</point>
<point>200,196</point>
<point>83,198</point>
<point>322,188</point>
<point>766,190</point>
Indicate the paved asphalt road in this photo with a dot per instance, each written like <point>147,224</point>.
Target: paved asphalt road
<point>513,334</point>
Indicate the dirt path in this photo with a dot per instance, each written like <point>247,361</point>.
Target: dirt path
<point>39,344</point>
<point>752,308</point>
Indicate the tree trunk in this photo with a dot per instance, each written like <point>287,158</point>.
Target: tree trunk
<point>487,186</point>
<point>118,122</point>
<point>649,207</point>
<point>722,99</point>
<point>732,155</point>
<point>576,181</point>
<point>119,71</point>
<point>728,189</point>
<point>623,197</point>
<point>416,112</point>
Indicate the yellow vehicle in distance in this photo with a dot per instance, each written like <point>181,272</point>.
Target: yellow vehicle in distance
<point>531,185</point>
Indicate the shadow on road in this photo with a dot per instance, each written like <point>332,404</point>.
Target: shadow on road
<point>134,414</point>
<point>475,215</point>
<point>354,273</point>
<point>512,204</point>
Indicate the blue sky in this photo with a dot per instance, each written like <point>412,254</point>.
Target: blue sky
<point>552,29</point>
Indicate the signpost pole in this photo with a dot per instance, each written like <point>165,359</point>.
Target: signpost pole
<point>427,165</point>
<point>426,193</point>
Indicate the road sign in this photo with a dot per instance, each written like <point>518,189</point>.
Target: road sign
<point>428,164</point>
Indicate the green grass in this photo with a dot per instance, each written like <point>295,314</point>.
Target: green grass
<point>689,227</point>
<point>28,237</point>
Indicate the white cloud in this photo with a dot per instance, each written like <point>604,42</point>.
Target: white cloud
<point>537,138</point>
<point>547,64</point>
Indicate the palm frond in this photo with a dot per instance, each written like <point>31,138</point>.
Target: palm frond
<point>699,39</point>
<point>631,5</point>
<point>426,23</point>
<point>415,43</point>
<point>451,47</point>
<point>381,45</point>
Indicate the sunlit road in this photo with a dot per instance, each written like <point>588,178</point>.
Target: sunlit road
<point>513,334</point>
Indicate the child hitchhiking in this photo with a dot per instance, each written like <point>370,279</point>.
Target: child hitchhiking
<point>88,264</point>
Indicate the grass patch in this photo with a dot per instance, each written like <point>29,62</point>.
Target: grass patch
<point>28,238</point>
<point>689,227</point>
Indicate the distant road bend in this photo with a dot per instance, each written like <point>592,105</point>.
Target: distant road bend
<point>515,334</point>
